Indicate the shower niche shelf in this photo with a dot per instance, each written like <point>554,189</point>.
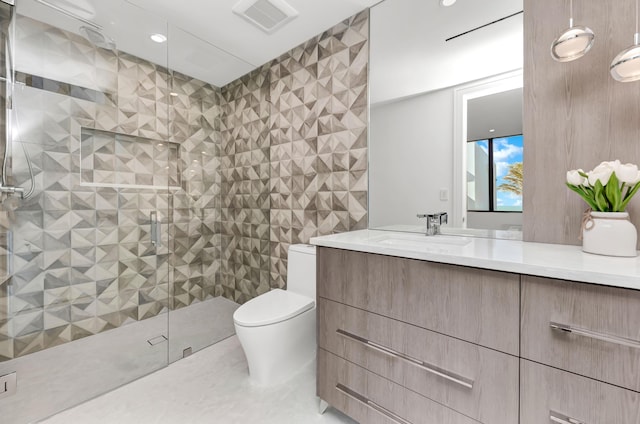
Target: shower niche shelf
<point>110,159</point>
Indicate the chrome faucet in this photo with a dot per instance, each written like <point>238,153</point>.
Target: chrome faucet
<point>434,221</point>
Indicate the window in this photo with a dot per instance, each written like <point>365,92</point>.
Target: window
<point>494,174</point>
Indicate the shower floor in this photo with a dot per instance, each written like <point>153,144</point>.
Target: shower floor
<point>211,386</point>
<point>200,325</point>
<point>65,375</point>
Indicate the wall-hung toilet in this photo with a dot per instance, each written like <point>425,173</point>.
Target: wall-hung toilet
<point>277,330</point>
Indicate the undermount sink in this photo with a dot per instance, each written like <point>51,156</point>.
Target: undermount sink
<point>420,240</point>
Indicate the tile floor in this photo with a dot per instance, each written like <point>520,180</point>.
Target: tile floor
<point>210,386</point>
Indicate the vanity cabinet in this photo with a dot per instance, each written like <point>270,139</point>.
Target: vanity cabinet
<point>371,399</point>
<point>475,305</point>
<point>468,378</point>
<point>580,353</point>
<point>550,395</point>
<point>410,341</point>
<point>446,333</point>
<point>583,328</point>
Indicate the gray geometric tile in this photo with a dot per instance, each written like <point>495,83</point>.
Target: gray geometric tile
<point>319,109</point>
<point>274,158</point>
<point>83,252</point>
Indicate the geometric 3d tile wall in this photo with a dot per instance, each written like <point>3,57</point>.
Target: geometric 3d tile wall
<point>318,130</point>
<point>110,159</point>
<point>294,155</point>
<point>76,258</point>
<point>276,157</point>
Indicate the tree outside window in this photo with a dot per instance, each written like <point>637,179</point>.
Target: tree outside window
<point>494,174</point>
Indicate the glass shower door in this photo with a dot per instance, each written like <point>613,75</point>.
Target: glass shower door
<point>85,301</point>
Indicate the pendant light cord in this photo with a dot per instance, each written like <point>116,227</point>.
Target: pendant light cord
<point>636,35</point>
<point>571,13</point>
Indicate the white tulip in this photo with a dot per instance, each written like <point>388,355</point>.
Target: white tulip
<point>636,180</point>
<point>605,166</point>
<point>614,165</point>
<point>600,173</point>
<point>574,177</point>
<point>627,173</point>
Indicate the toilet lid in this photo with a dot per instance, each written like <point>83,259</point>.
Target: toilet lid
<point>275,306</point>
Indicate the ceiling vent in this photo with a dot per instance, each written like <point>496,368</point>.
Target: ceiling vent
<point>268,15</point>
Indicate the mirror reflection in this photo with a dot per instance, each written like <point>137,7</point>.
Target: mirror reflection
<point>494,161</point>
<point>446,115</point>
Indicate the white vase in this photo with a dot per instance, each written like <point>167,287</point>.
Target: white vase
<point>609,233</point>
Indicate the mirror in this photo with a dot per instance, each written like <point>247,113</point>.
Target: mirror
<point>436,73</point>
<point>494,161</point>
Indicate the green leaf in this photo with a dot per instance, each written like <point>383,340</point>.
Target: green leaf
<point>628,196</point>
<point>587,195</point>
<point>613,194</point>
<point>598,196</point>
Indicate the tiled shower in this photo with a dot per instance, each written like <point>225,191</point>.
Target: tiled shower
<point>160,201</point>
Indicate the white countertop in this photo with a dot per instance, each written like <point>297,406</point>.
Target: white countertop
<point>541,259</point>
<point>473,232</point>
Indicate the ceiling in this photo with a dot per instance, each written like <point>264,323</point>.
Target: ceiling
<point>409,54</point>
<point>206,39</point>
<point>495,115</point>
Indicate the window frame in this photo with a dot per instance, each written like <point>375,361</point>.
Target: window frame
<point>491,176</point>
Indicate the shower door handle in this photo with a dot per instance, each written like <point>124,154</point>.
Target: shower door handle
<point>156,229</point>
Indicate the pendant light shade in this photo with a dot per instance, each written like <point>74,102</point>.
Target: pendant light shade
<point>626,65</point>
<point>573,43</point>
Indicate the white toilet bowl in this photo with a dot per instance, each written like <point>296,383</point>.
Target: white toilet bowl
<point>278,349</point>
<point>277,330</point>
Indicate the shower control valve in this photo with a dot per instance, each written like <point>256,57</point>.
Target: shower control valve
<point>11,190</point>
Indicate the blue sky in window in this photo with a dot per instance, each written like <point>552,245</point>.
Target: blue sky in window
<point>506,151</point>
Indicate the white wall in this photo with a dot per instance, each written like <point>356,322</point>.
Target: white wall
<point>409,55</point>
<point>410,158</point>
<point>477,184</point>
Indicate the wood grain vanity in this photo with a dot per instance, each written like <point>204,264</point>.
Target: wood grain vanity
<point>414,341</point>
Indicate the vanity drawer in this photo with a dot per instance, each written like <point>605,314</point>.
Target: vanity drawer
<point>472,304</point>
<point>601,336</point>
<point>547,392</point>
<point>466,377</point>
<point>371,399</point>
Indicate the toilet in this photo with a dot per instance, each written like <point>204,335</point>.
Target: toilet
<point>277,330</point>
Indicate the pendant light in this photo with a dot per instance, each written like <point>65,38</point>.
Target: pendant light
<point>573,43</point>
<point>626,65</point>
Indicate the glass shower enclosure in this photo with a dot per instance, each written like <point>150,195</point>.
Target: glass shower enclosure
<point>108,204</point>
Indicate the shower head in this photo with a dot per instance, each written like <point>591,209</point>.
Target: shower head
<point>97,38</point>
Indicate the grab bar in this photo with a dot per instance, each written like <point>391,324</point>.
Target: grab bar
<point>156,229</point>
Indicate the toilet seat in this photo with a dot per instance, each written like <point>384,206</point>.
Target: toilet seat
<point>275,306</point>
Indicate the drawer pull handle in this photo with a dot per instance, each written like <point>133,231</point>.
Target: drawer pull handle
<point>447,375</point>
<point>371,404</point>
<point>562,419</point>
<point>595,335</point>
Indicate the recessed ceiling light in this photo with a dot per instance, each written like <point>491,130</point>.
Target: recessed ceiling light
<point>173,94</point>
<point>158,38</point>
<point>492,130</point>
<point>447,3</point>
